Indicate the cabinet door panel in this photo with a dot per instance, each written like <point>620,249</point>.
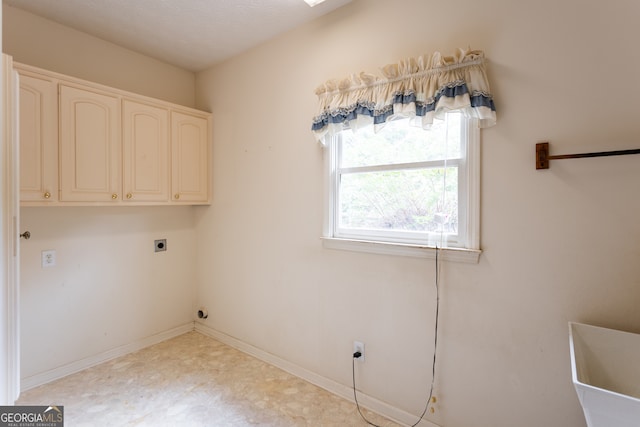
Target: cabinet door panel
<point>38,139</point>
<point>190,154</point>
<point>145,152</point>
<point>89,146</point>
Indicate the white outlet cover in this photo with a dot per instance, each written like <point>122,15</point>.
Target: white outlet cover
<point>359,346</point>
<point>48,258</point>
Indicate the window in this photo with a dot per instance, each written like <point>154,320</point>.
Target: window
<point>404,187</point>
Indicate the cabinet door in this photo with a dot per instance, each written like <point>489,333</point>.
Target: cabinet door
<point>38,139</point>
<point>89,146</point>
<point>190,158</point>
<point>145,143</point>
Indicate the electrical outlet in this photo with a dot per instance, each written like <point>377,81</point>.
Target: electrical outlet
<point>359,346</point>
<point>48,258</point>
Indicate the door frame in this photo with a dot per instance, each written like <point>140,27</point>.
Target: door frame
<point>9,237</point>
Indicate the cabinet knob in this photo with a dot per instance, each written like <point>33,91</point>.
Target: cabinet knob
<point>129,196</point>
<point>114,196</point>
<point>177,196</point>
<point>47,195</point>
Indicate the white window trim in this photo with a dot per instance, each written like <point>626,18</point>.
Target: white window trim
<point>470,254</point>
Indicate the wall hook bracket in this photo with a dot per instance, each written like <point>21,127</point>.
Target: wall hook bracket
<point>543,157</point>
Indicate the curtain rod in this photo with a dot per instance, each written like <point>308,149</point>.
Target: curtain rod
<point>543,157</point>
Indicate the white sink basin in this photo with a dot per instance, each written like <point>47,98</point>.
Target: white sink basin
<point>605,365</point>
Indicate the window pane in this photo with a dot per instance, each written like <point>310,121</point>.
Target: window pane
<point>401,200</point>
<point>399,142</point>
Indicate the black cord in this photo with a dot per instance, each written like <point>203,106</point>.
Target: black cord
<point>353,374</point>
<point>435,352</point>
<point>435,341</point>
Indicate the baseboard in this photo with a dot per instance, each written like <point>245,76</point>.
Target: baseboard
<point>371,403</point>
<point>79,365</point>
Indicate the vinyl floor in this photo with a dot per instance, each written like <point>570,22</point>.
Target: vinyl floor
<point>193,380</point>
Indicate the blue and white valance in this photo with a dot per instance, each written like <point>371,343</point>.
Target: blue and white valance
<point>421,89</point>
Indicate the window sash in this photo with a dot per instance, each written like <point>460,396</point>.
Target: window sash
<point>467,166</point>
<point>433,164</point>
<point>396,235</point>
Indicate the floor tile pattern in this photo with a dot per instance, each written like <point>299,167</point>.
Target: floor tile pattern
<point>193,380</point>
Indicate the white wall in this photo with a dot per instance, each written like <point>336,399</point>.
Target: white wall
<point>46,44</point>
<point>109,288</point>
<point>559,245</point>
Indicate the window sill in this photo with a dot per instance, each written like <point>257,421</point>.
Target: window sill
<point>468,256</point>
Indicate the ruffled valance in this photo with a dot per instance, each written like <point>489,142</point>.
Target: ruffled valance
<point>421,88</point>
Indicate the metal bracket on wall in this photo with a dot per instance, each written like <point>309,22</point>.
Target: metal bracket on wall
<point>543,157</point>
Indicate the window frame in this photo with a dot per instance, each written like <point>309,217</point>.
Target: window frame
<point>466,249</point>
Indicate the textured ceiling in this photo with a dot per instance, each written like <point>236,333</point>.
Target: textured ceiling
<point>191,34</point>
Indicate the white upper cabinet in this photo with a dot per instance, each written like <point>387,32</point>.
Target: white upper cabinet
<point>145,143</point>
<point>38,113</point>
<point>87,144</point>
<point>190,154</point>
<point>90,149</point>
